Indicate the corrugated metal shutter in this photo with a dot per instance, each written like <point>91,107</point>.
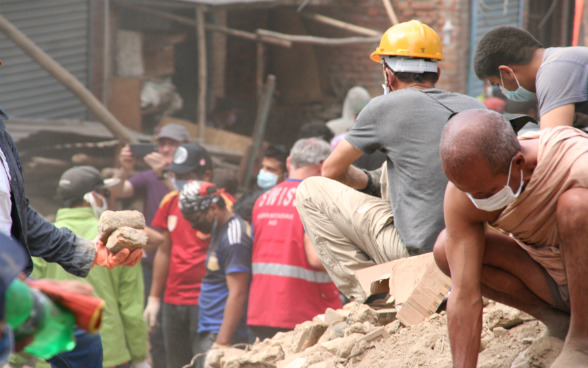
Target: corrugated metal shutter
<point>59,27</point>
<point>486,15</point>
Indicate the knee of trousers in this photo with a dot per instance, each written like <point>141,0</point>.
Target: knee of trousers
<point>308,191</point>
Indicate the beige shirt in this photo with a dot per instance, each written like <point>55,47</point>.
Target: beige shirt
<point>562,164</point>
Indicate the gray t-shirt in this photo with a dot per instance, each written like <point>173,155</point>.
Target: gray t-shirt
<point>562,79</point>
<point>407,126</point>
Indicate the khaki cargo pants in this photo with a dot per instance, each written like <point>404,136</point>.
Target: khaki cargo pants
<point>350,230</point>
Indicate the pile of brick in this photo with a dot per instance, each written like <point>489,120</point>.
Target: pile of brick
<point>339,334</point>
<point>368,337</point>
<point>405,329</point>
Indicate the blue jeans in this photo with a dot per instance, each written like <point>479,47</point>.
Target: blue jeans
<point>87,353</point>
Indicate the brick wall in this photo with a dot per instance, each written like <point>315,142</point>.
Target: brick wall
<point>353,61</point>
<point>339,67</point>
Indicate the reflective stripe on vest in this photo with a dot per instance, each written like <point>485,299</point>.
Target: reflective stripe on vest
<point>290,271</point>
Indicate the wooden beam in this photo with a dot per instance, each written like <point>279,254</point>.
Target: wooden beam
<point>260,72</point>
<point>202,75</point>
<point>263,108</point>
<point>390,12</point>
<point>340,24</point>
<point>249,36</point>
<point>318,40</point>
<point>210,27</point>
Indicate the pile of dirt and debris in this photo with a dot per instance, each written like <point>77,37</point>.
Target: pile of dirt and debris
<point>366,337</point>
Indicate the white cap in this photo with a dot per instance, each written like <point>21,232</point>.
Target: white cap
<point>411,65</point>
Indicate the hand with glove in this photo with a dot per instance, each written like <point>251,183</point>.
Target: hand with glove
<point>214,354</point>
<point>151,311</point>
<point>124,257</point>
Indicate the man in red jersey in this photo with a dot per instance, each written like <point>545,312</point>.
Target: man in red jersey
<point>179,261</point>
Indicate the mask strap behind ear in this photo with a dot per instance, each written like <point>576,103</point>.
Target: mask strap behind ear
<point>388,77</point>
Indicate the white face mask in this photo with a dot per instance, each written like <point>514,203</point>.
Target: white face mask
<point>500,199</point>
<point>88,197</point>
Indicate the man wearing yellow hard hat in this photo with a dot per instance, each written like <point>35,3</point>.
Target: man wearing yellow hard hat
<point>355,222</point>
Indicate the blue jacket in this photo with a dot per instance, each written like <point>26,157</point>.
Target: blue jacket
<point>38,236</point>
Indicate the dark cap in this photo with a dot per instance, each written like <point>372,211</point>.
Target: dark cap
<point>79,180</point>
<point>12,262</point>
<point>190,157</point>
<point>173,131</point>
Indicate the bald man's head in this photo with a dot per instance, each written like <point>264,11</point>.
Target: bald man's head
<point>475,137</point>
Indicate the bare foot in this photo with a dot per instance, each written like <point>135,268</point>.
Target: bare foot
<point>557,324</point>
<point>573,355</point>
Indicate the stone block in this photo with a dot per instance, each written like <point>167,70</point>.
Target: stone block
<point>363,313</point>
<point>307,334</point>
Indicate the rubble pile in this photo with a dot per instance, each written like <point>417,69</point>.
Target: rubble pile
<point>374,338</point>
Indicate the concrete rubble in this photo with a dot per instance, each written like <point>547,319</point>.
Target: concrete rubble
<point>342,338</point>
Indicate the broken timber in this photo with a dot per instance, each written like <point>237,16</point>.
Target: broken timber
<point>265,35</point>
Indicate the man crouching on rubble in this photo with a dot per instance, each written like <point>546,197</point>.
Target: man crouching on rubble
<point>354,229</point>
<point>536,190</point>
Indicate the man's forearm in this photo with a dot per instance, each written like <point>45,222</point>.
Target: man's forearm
<point>352,177</point>
<point>119,190</point>
<point>465,328</point>
<point>160,271</point>
<point>232,317</point>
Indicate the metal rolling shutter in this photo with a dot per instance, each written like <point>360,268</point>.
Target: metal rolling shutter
<point>486,15</point>
<point>61,28</point>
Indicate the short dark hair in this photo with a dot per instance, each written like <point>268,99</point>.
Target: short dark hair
<point>316,130</point>
<point>408,77</point>
<point>278,152</point>
<point>503,46</point>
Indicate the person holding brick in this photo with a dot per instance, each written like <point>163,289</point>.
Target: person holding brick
<point>84,193</point>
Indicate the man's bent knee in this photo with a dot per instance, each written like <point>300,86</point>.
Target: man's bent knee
<point>309,187</point>
<point>439,253</point>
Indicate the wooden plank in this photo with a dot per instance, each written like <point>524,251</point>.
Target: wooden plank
<point>215,137</point>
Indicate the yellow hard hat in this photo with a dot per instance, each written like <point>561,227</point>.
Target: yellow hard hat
<point>409,39</point>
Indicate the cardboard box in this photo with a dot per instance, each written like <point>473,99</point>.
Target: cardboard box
<point>159,63</point>
<point>416,283</point>
<point>398,277</point>
<point>159,53</point>
<point>125,101</point>
<point>426,297</point>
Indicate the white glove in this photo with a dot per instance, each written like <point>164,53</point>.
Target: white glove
<point>213,356</point>
<point>143,364</point>
<point>151,311</point>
